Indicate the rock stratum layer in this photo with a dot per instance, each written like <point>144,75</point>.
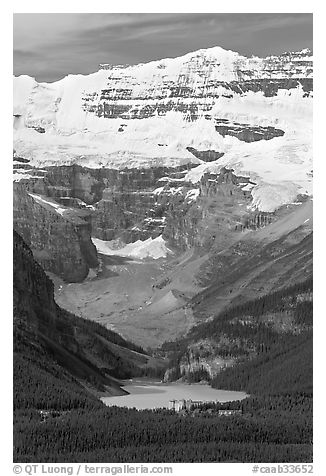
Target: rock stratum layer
<point>212,108</point>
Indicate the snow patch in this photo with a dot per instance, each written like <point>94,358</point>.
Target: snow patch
<point>17,177</point>
<point>150,248</point>
<point>192,195</point>
<point>157,191</point>
<point>41,200</point>
<point>268,197</point>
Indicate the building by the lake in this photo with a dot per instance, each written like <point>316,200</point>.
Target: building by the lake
<point>183,404</point>
<point>229,412</point>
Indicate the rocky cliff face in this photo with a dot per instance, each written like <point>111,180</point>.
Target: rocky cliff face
<point>245,132</point>
<point>202,359</point>
<point>218,208</point>
<point>128,204</point>
<point>137,204</point>
<point>59,237</point>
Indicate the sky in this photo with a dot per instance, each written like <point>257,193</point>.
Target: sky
<point>48,46</point>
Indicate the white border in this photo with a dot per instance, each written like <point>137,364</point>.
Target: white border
<point>65,6</point>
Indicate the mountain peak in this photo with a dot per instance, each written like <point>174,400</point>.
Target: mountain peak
<point>211,52</point>
<point>153,113</point>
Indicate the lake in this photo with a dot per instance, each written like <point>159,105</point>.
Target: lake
<point>149,394</point>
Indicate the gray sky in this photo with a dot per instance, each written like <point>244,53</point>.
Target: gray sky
<point>49,46</point>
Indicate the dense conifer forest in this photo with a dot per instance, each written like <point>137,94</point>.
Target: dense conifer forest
<point>121,435</point>
<point>275,424</point>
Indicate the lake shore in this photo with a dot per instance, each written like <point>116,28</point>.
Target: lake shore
<point>150,394</point>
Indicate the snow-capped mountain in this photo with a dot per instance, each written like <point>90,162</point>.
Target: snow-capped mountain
<point>214,108</point>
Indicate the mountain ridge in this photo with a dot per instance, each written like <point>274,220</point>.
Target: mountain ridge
<point>218,49</point>
<point>155,114</point>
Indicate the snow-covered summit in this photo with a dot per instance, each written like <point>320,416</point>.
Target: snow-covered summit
<point>151,114</point>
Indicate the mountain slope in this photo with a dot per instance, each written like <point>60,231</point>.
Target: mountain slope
<point>63,347</point>
<point>260,346</point>
<point>285,369</point>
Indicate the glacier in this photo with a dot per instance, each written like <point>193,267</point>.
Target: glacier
<point>148,115</point>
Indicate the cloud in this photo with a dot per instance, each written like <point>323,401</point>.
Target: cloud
<point>50,46</point>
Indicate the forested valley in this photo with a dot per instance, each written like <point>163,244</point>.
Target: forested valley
<point>58,419</point>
